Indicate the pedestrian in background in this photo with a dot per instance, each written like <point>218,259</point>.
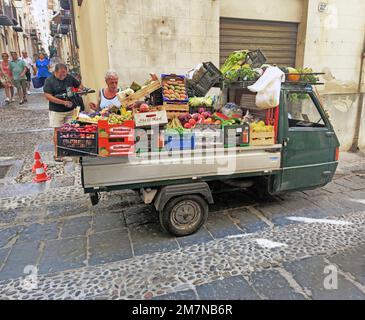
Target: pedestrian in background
<point>42,65</point>
<point>6,78</point>
<point>18,68</point>
<point>29,64</point>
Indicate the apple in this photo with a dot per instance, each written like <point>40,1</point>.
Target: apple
<point>192,122</point>
<point>144,108</point>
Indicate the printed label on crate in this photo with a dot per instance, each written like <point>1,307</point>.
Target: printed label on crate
<point>150,118</point>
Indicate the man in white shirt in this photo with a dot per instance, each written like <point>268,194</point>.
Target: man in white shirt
<point>29,64</point>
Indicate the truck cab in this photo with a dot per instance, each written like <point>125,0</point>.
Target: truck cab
<point>310,147</point>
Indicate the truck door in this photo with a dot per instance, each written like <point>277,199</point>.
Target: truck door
<point>308,142</point>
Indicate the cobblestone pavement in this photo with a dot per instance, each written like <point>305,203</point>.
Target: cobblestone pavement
<point>277,248</point>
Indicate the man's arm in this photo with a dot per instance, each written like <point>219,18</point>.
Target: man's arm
<point>24,70</point>
<point>53,99</point>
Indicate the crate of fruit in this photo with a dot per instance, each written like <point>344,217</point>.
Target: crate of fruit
<point>76,140</point>
<point>116,139</point>
<point>173,88</point>
<point>175,109</point>
<point>264,137</point>
<point>150,118</point>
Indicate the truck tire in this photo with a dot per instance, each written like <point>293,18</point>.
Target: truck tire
<point>184,215</point>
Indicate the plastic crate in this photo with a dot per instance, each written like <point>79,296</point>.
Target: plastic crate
<point>241,135</point>
<point>76,144</point>
<point>175,141</point>
<point>171,82</point>
<point>204,79</point>
<point>116,139</point>
<point>256,58</point>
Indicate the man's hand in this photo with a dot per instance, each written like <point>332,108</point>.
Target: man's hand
<point>93,106</point>
<point>68,104</point>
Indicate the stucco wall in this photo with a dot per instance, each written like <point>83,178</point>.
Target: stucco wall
<point>334,43</point>
<point>93,50</point>
<point>160,36</point>
<point>278,10</point>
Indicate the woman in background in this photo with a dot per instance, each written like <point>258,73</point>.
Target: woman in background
<point>42,65</point>
<point>6,78</point>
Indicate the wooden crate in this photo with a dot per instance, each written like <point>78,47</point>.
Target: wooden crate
<point>262,138</point>
<point>147,90</point>
<point>148,119</point>
<point>175,109</point>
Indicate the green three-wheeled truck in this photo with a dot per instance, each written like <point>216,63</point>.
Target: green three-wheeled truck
<point>304,156</point>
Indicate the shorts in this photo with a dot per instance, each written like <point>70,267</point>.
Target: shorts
<point>20,84</point>
<point>57,119</point>
<point>28,75</point>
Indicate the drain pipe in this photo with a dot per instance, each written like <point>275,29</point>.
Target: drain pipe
<point>355,143</point>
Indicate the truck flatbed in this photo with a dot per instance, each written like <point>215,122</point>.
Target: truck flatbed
<point>152,168</point>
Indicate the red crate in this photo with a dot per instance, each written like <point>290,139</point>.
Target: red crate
<point>116,139</point>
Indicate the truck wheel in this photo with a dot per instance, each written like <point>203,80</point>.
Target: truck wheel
<point>184,215</point>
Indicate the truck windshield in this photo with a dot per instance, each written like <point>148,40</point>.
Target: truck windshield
<point>302,111</point>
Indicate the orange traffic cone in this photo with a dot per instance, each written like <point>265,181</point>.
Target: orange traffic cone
<point>37,156</point>
<point>41,175</point>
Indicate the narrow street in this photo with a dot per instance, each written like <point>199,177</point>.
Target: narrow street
<point>278,248</point>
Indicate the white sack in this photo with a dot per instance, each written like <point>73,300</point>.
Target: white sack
<point>268,88</point>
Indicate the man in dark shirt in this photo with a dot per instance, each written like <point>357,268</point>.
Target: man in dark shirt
<point>60,111</point>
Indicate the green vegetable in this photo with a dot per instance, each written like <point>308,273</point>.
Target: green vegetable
<point>201,102</point>
<point>243,73</point>
<point>237,57</point>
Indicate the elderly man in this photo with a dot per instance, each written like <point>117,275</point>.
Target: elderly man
<point>108,96</point>
<point>19,69</point>
<point>29,64</point>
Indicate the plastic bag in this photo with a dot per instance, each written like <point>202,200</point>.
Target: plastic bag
<point>231,109</point>
<point>268,88</point>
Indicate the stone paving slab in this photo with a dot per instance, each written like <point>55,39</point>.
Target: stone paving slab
<point>76,227</point>
<point>233,288</point>
<point>3,254</point>
<point>108,221</point>
<point>6,235</point>
<point>309,273</point>
<point>21,255</point>
<point>271,285</point>
<point>220,225</point>
<point>246,220</point>
<point>201,236</point>
<point>64,254</point>
<point>23,189</point>
<point>150,238</point>
<point>181,295</point>
<point>66,209</point>
<point>352,262</point>
<point>38,231</point>
<point>109,246</point>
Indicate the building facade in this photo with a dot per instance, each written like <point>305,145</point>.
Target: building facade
<point>138,37</point>
<point>18,29</point>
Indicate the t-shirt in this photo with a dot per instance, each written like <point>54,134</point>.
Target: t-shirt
<point>28,62</point>
<point>16,68</point>
<point>56,86</point>
<point>42,66</point>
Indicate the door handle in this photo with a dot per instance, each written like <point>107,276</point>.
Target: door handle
<point>330,134</point>
<point>285,141</point>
